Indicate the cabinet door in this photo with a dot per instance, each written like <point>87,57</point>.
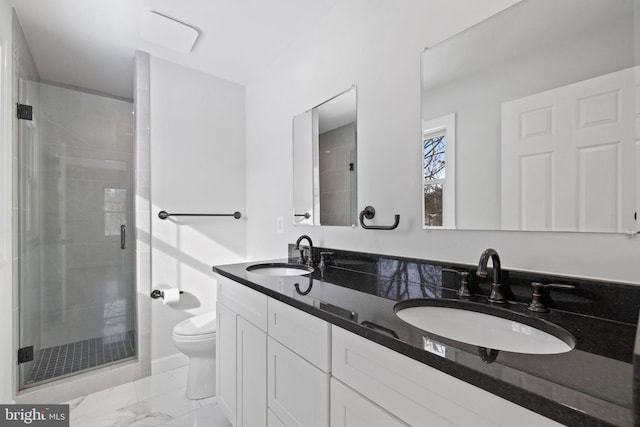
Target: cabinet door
<point>351,409</point>
<point>226,361</point>
<point>298,392</point>
<point>251,353</point>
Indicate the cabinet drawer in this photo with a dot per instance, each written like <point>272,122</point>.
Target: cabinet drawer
<point>297,391</point>
<point>351,409</point>
<point>250,304</point>
<point>301,332</point>
<point>417,393</point>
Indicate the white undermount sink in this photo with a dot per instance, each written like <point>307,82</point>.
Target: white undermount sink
<point>459,323</point>
<point>280,269</point>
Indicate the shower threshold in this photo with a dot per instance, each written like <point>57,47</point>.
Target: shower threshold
<point>53,363</point>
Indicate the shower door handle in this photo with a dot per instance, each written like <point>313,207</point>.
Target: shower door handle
<point>123,236</point>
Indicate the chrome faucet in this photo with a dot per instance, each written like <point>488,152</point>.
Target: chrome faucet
<point>310,257</point>
<point>496,293</point>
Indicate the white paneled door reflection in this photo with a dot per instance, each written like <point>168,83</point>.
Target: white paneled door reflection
<point>573,151</point>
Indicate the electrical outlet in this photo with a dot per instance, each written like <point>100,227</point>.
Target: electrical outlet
<point>280,224</point>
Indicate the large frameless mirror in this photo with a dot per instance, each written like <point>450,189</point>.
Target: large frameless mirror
<point>325,162</point>
<point>542,105</point>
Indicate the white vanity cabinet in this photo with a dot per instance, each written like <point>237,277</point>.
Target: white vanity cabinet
<point>279,379</point>
<point>278,366</point>
<point>241,352</point>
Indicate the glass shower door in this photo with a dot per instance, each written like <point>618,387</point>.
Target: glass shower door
<point>76,262</point>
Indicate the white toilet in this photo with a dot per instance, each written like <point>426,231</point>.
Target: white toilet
<point>196,338</point>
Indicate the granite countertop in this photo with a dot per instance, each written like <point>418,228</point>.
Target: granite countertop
<point>589,385</point>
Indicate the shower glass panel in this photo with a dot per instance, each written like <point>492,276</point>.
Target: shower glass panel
<point>76,261</point>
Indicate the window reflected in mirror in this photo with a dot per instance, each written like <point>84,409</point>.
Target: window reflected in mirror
<point>438,165</point>
<point>434,173</point>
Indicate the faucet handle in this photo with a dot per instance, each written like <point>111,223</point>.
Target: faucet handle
<point>464,291</point>
<point>536,304</point>
<point>325,258</point>
<point>309,256</point>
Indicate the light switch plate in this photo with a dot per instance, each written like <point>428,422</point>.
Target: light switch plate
<point>280,224</point>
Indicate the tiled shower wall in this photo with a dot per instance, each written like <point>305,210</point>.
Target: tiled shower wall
<point>86,157</point>
<point>337,178</point>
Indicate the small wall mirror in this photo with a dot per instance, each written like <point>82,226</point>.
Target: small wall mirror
<point>542,105</point>
<point>325,162</point>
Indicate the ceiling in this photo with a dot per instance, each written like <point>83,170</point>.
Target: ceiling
<point>91,43</point>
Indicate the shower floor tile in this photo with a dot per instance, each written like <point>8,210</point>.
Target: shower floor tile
<point>68,358</point>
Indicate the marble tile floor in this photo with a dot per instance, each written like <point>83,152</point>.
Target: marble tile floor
<point>158,400</point>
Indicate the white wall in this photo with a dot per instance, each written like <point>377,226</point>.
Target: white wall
<point>7,305</point>
<point>197,166</point>
<point>377,46</point>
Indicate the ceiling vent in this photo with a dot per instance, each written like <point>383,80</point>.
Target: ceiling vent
<point>167,32</point>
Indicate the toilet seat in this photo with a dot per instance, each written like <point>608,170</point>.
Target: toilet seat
<point>200,327</point>
<point>193,338</point>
